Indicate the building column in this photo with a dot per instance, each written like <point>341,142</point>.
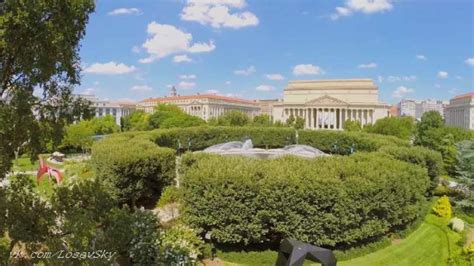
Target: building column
<point>340,118</point>
<point>317,118</point>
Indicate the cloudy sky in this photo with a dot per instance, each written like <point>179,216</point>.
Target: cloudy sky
<point>250,48</point>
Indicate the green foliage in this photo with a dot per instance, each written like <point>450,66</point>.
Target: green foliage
<point>29,216</point>
<point>352,125</point>
<point>263,120</point>
<point>443,208</point>
<point>168,116</point>
<point>203,137</point>
<point>232,118</point>
<point>342,201</point>
<point>429,159</point>
<point>464,170</point>
<point>136,121</point>
<point>103,125</point>
<point>39,48</point>
<point>136,170</point>
<point>342,142</point>
<point>180,244</point>
<point>79,136</point>
<point>171,194</point>
<point>144,246</point>
<point>402,127</point>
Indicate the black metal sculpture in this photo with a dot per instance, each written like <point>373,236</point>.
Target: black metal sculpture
<point>294,253</point>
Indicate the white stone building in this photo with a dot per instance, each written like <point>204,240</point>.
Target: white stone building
<point>205,106</point>
<point>117,109</point>
<point>416,109</point>
<point>460,111</point>
<point>326,104</point>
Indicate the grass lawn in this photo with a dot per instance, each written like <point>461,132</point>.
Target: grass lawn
<point>431,244</point>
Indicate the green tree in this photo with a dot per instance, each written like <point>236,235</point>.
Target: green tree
<point>79,136</point>
<point>262,120</point>
<point>39,44</point>
<point>104,125</point>
<point>234,118</point>
<point>352,125</point>
<point>429,121</point>
<point>402,127</point>
<point>290,120</point>
<point>465,171</point>
<point>168,116</point>
<point>136,121</point>
<point>299,123</point>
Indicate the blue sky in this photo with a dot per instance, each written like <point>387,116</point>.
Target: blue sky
<point>411,48</point>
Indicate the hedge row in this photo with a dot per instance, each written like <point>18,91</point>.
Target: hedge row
<point>329,201</point>
<point>429,159</point>
<point>199,138</point>
<point>136,169</point>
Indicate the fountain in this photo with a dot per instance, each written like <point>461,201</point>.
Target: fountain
<point>246,149</point>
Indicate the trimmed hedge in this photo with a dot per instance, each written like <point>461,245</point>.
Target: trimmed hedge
<point>429,159</point>
<point>136,169</point>
<point>329,201</point>
<point>339,142</point>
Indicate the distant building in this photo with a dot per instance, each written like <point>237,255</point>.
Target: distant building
<point>460,111</point>
<point>416,109</point>
<point>393,110</point>
<point>205,106</point>
<point>266,106</point>
<point>326,104</point>
<point>117,109</point>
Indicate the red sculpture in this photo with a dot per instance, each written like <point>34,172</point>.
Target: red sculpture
<point>44,168</point>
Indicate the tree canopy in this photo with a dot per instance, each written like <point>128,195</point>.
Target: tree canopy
<point>39,51</point>
<point>402,127</point>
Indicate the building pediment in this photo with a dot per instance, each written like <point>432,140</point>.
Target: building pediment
<point>326,100</point>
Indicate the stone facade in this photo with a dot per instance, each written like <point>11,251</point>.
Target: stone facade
<point>117,109</point>
<point>460,111</point>
<point>205,106</point>
<point>326,104</point>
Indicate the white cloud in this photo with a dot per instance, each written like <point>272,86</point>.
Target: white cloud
<point>124,11</point>
<point>363,6</point>
<point>401,91</point>
<point>201,47</point>
<point>458,77</point>
<point>110,68</point>
<point>401,78</point>
<point>228,82</point>
<point>181,58</point>
<point>274,76</point>
<point>470,61</point>
<point>192,76</point>
<point>212,91</point>
<point>245,72</point>
<point>442,74</point>
<point>165,40</point>
<point>218,13</point>
<point>136,49</point>
<point>307,69</point>
<point>421,57</point>
<point>141,88</point>
<point>265,88</point>
<point>437,86</point>
<point>380,79</point>
<point>186,85</point>
<point>369,65</point>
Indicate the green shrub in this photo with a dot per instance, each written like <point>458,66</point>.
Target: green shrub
<point>171,194</point>
<point>198,138</point>
<point>443,208</point>
<point>330,201</point>
<point>429,159</point>
<point>136,169</point>
<point>341,142</point>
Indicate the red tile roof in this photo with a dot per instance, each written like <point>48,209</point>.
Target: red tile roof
<point>466,95</point>
<point>199,96</point>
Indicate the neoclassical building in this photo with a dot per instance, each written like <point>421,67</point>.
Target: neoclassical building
<point>205,106</point>
<point>326,104</point>
<point>460,111</point>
